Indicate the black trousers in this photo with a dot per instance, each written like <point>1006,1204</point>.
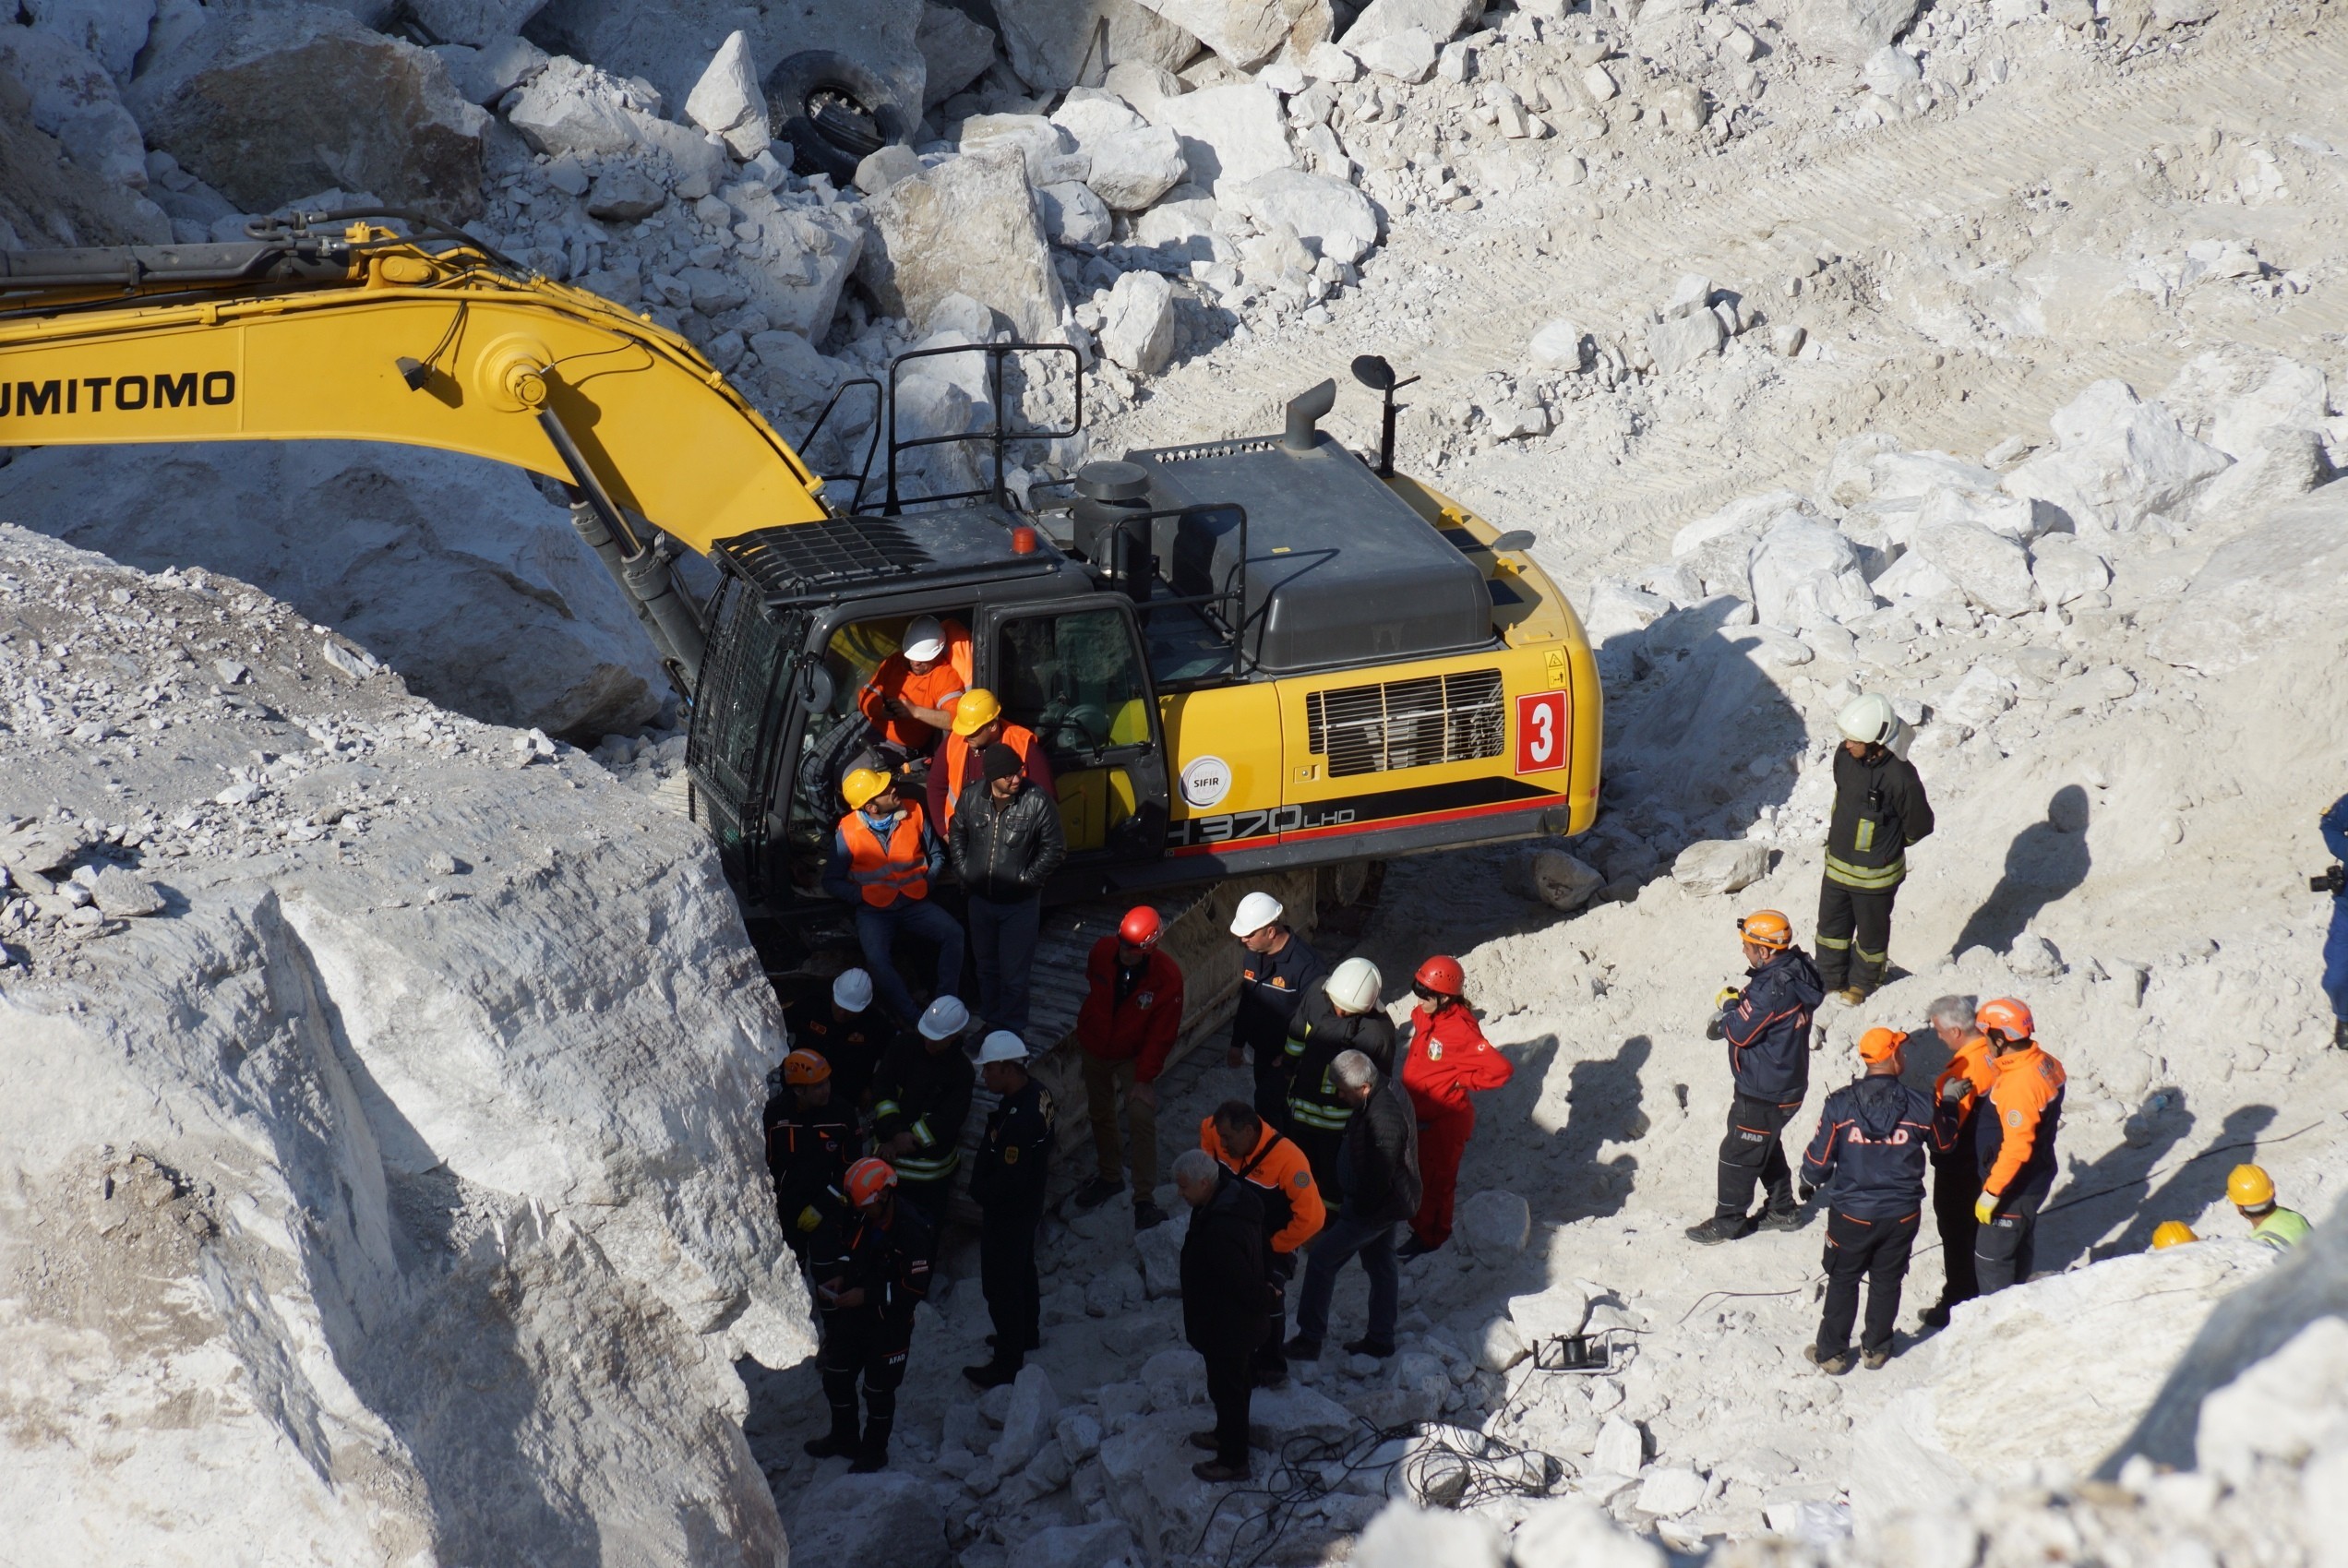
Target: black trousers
<point>1320,1146</point>
<point>1272,1356</point>
<point>1752,1152</point>
<point>856,1342</point>
<point>1854,934</point>
<point>2005,1247</point>
<point>1877,1251</point>
<point>1006,1277</point>
<point>1228,1380</point>
<point>1271,1086</point>
<point>1954,1187</point>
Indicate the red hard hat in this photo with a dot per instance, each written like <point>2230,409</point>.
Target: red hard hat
<point>2007,1018</point>
<point>1441,976</point>
<point>1141,928</point>
<point>868,1179</point>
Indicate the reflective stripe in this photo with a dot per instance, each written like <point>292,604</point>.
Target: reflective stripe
<point>887,872</point>
<point>929,1169</point>
<point>1329,1119</point>
<point>1872,957</point>
<point>922,1134</point>
<point>2282,1231</point>
<point>1838,944</point>
<point>885,1108</point>
<point>1867,878</point>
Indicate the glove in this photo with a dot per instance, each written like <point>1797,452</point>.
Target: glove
<point>1729,997</point>
<point>1985,1207</point>
<point>1955,1088</point>
<point>808,1219</point>
<point>1807,1191</point>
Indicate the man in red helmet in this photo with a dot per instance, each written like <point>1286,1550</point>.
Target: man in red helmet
<point>1448,1060</point>
<point>1131,1015</point>
<point>869,1290</point>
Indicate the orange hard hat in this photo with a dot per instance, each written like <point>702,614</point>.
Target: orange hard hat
<point>868,1179</point>
<point>806,1067</point>
<point>2004,1017</point>
<point>1766,928</point>
<point>1141,928</point>
<point>1879,1044</point>
<point>1441,976</point>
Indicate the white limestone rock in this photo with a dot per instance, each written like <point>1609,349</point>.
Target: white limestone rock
<point>889,1518</point>
<point>1621,1450</point>
<point>111,31</point>
<point>1028,1419</point>
<point>1720,866</point>
<point>1562,881</point>
<point>1440,19</point>
<point>2066,571</point>
<point>1990,569</point>
<point>1681,340</point>
<point>72,99</point>
<point>2233,397</point>
<point>1337,221</point>
<point>1138,331</point>
<point>1804,572</point>
<point>1403,1535</point>
<point>2117,461</point>
<point>1494,1223</point>
<point>667,43</point>
<point>1847,29</point>
<point>728,103</point>
<point>1668,1490</point>
<point>2277,581</point>
<point>1569,1532</point>
<point>1056,45</point>
<point>955,51</point>
<point>1072,215</point>
<point>1249,33</point>
<point>1279,1415</point>
<point>969,225</point>
<point>474,22</point>
<point>1230,134</point>
<point>1406,56</point>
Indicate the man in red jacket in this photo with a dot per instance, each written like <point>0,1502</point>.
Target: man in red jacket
<point>1132,1014</point>
<point>1449,1058</point>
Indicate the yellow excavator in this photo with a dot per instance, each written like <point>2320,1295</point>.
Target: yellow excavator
<point>1242,657</point>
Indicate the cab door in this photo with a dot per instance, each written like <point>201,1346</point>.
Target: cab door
<point>1071,670</point>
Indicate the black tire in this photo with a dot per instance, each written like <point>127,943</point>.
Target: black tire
<point>835,112</point>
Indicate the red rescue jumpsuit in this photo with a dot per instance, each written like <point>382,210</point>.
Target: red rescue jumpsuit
<point>1448,1060</point>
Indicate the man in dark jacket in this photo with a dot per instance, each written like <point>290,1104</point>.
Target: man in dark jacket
<point>1131,1016</point>
<point>1767,1028</point>
<point>1224,1295</point>
<point>1278,969</point>
<point>868,1292</point>
<point>1014,1166</point>
<point>810,1143</point>
<point>1005,843</point>
<point>1879,811</point>
<point>1339,1014</point>
<point>1378,1169</point>
<point>920,1099</point>
<point>1869,1155</point>
<point>845,1027</point>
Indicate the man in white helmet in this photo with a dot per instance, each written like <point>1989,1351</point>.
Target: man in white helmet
<point>1879,811</point>
<point>850,1033</point>
<point>1340,1013</point>
<point>1276,973</point>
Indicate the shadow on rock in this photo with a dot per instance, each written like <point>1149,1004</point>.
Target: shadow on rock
<point>1606,1104</point>
<point>2046,861</point>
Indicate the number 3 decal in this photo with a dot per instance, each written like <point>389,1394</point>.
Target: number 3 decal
<point>1541,732</point>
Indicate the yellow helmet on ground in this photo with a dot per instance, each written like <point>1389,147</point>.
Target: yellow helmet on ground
<point>2247,1187</point>
<point>2172,1233</point>
<point>976,710</point>
<point>861,784</point>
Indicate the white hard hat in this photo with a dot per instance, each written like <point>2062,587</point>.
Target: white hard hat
<point>1255,912</point>
<point>1354,986</point>
<point>944,1018</point>
<point>925,638</point>
<point>1868,718</point>
<point>852,992</point>
<point>1001,1045</point>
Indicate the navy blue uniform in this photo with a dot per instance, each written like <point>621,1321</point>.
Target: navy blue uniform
<point>1869,1155</point>
<point>1768,1029</point>
<point>1272,986</point>
<point>2335,951</point>
<point>890,1263</point>
<point>1008,1186</point>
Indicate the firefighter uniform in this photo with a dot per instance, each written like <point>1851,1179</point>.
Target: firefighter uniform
<point>1317,1113</point>
<point>1879,811</point>
<point>928,1094</point>
<point>1272,986</point>
<point>1293,1213</point>
<point>1008,1186</point>
<point>889,1260</point>
<point>854,1045</point>
<point>2014,1150</point>
<point>808,1153</point>
<point>1874,1140</point>
<point>1768,1031</point>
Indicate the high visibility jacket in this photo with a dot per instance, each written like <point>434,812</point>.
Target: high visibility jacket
<point>1317,1034</point>
<point>940,687</point>
<point>2282,1229</point>
<point>1134,1018</point>
<point>1879,811</point>
<point>925,1093</point>
<point>2014,1134</point>
<point>1955,1135</point>
<point>1277,1168</point>
<point>1767,1028</point>
<point>881,870</point>
<point>956,768</point>
<point>1448,1060</point>
<point>1871,1147</point>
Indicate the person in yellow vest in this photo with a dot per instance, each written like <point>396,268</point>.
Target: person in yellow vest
<point>883,858</point>
<point>978,723</point>
<point>2252,1192</point>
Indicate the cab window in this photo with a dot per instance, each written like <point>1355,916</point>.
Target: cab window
<point>1076,680</point>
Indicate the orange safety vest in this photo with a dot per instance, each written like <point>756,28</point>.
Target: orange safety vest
<point>887,872</point>
<point>960,758</point>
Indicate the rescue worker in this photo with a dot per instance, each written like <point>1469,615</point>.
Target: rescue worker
<point>2171,1233</point>
<point>1448,1059</point>
<point>1767,1026</point>
<point>1379,1161</point>
<point>2013,1144</point>
<point>1256,1153</point>
<point>1339,1013</point>
<point>841,1024</point>
<point>1131,1016</point>
<point>911,696</point>
<point>1224,1294</point>
<point>2334,824</point>
<point>1014,1163</point>
<point>868,1291</point>
<point>1879,811</point>
<point>1272,980</point>
<point>810,1141</point>
<point>1006,843</point>
<point>883,859</point>
<point>920,1099</point>
<point>2252,1193</point>
<point>1868,1157</point>
<point>1958,1093</point>
<point>978,723</point>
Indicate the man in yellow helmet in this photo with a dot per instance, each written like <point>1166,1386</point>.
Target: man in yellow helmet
<point>883,859</point>
<point>2252,1192</point>
<point>978,723</point>
<point>2171,1233</point>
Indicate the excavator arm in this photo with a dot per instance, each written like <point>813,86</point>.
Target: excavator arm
<point>354,332</point>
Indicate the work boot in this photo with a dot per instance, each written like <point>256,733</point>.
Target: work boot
<point>1852,996</point>
<point>1097,1191</point>
<point>840,1440</point>
<point>873,1453</point>
<point>1414,1248</point>
<point>1935,1316</point>
<point>1272,1377</point>
<point>995,1373</point>
<point>1833,1366</point>
<point>2339,1034</point>
<point>1217,1473</point>
<point>1877,1360</point>
<point>1301,1348</point>
<point>1714,1231</point>
<point>1782,1219</point>
<point>1146,1215</point>
<point>1368,1348</point>
<point>1207,1440</point>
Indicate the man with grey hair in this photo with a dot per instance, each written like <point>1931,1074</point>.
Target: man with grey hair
<point>1226,1302</point>
<point>1957,1164</point>
<point>1378,1164</point>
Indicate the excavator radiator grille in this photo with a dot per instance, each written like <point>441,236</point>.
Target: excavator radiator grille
<point>1407,723</point>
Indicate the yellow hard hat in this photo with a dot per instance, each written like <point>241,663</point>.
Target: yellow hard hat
<point>976,710</point>
<point>861,785</point>
<point>2247,1187</point>
<point>2172,1233</point>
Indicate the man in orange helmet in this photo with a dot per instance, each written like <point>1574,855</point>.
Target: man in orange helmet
<point>1131,1016</point>
<point>810,1143</point>
<point>1958,1094</point>
<point>2013,1144</point>
<point>1868,1156</point>
<point>869,1288</point>
<point>1767,1027</point>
